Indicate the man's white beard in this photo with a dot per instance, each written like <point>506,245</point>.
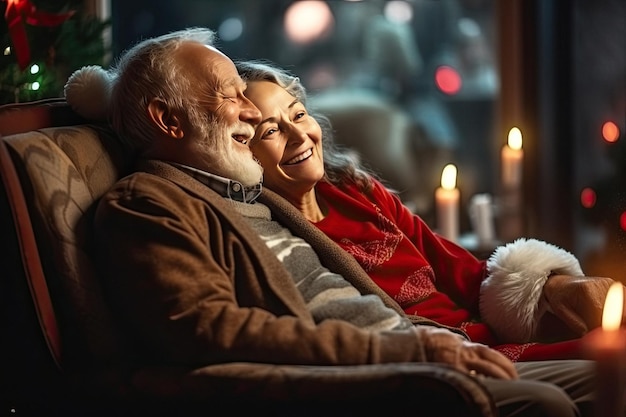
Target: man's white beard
<point>225,157</point>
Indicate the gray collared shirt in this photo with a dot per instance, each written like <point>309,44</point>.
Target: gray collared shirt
<point>225,187</point>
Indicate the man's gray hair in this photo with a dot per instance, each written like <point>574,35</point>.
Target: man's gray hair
<point>147,71</point>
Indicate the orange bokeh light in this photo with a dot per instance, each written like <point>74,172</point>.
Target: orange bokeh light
<point>610,131</point>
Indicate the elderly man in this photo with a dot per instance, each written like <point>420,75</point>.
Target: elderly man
<point>199,271</point>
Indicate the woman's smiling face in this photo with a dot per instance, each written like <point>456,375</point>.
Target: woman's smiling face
<point>287,142</point>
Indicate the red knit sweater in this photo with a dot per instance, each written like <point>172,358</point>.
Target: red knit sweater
<point>425,273</point>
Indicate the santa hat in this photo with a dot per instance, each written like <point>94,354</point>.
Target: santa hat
<point>88,92</point>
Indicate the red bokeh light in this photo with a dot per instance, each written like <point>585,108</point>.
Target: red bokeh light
<point>448,80</point>
<point>588,197</point>
<point>622,221</point>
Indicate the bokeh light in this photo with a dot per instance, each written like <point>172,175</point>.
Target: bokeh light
<point>468,28</point>
<point>588,197</point>
<point>610,131</point>
<point>398,11</point>
<point>230,29</point>
<point>622,221</point>
<point>308,20</point>
<point>448,80</point>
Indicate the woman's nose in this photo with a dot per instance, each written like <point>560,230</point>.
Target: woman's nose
<point>295,134</point>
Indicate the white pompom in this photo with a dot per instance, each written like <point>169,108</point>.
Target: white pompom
<point>88,92</point>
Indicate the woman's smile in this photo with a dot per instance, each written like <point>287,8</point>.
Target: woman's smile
<point>304,155</point>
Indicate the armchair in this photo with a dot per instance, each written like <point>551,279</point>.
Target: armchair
<point>63,352</point>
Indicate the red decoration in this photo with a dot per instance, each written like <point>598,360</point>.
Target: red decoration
<point>20,12</point>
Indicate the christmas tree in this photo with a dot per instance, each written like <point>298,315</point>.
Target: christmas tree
<point>42,43</point>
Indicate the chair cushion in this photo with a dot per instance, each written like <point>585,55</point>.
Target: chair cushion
<point>64,170</point>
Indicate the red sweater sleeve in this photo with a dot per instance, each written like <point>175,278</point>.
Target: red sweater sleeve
<point>458,273</point>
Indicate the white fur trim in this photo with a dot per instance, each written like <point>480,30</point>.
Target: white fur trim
<point>510,295</point>
<point>88,92</point>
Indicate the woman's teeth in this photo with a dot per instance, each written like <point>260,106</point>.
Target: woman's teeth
<point>300,157</point>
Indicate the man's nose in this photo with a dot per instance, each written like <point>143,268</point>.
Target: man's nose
<point>249,112</point>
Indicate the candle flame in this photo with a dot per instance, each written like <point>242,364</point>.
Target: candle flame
<point>613,306</point>
<point>515,138</point>
<point>448,177</point>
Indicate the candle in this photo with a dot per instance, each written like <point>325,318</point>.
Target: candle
<point>512,156</point>
<point>447,204</point>
<point>607,346</point>
<point>481,217</point>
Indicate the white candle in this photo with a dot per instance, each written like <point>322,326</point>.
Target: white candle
<point>447,204</point>
<point>607,346</point>
<point>512,157</point>
<point>481,217</point>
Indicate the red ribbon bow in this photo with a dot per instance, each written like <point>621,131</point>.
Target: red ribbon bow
<point>19,12</point>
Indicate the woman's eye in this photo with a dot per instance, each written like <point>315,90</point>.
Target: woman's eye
<point>300,115</point>
<point>270,132</point>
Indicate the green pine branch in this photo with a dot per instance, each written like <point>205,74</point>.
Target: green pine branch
<point>57,51</point>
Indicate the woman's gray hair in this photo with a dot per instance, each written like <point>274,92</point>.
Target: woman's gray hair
<point>147,71</point>
<point>258,70</point>
<point>339,166</point>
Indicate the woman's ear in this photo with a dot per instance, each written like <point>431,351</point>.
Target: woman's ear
<point>165,120</point>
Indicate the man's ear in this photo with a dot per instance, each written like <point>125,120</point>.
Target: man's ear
<point>165,120</point>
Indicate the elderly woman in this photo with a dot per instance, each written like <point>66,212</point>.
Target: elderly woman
<point>530,300</point>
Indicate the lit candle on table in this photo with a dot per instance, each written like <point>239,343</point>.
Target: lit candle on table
<point>447,204</point>
<point>512,157</point>
<point>607,346</point>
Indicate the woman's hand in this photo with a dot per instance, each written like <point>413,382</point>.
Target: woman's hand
<point>444,346</point>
